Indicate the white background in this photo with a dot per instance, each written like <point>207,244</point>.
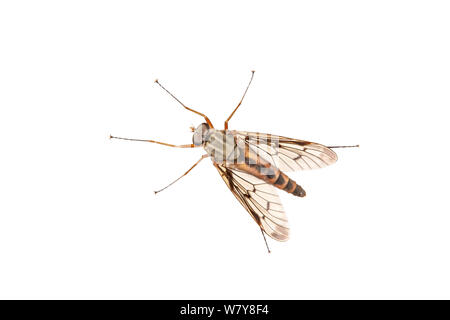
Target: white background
<point>78,217</point>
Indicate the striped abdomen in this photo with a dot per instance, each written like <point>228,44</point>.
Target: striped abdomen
<point>270,174</point>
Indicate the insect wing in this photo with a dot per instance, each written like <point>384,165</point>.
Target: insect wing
<point>287,154</point>
<point>260,199</point>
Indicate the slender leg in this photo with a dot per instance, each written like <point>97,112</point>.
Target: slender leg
<point>203,157</point>
<point>199,113</point>
<point>226,121</point>
<point>264,236</point>
<point>152,141</point>
<point>332,147</point>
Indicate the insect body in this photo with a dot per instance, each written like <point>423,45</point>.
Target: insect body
<point>253,166</point>
<point>233,150</point>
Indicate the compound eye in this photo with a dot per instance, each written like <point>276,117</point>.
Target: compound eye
<point>199,134</point>
<point>197,138</point>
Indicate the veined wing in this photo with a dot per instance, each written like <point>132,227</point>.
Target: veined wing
<point>260,199</point>
<point>287,154</point>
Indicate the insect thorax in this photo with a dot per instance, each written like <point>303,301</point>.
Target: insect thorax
<point>222,147</point>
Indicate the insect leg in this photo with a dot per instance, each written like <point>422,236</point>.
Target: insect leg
<point>264,236</point>
<point>332,147</point>
<point>226,121</point>
<point>152,141</point>
<point>203,157</point>
<point>199,113</point>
